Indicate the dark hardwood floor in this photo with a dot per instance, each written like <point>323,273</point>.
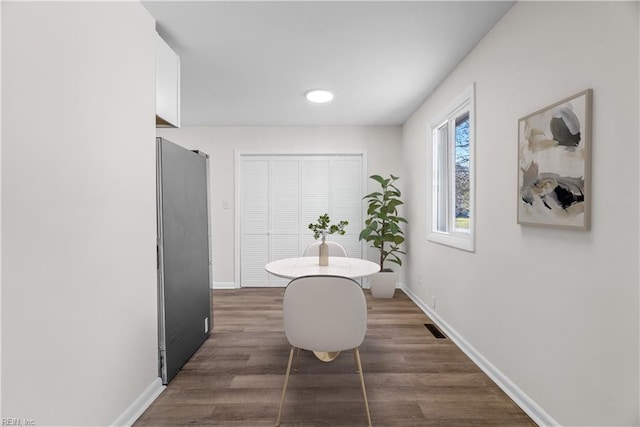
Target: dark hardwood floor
<point>412,378</point>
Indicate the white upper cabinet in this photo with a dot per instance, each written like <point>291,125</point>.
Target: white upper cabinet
<point>167,85</point>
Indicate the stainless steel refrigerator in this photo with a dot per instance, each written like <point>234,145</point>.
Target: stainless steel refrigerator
<point>184,303</point>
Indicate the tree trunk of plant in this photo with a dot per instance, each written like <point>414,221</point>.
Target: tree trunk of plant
<point>382,247</point>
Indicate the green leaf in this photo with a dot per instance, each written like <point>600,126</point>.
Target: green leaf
<point>396,260</point>
<point>373,195</point>
<point>378,178</point>
<point>395,188</point>
<point>391,206</point>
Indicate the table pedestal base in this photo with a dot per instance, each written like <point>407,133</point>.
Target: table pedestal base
<point>326,356</point>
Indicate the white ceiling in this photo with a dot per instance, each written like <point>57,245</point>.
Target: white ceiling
<point>250,63</point>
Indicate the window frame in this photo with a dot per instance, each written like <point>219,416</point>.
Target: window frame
<point>465,240</point>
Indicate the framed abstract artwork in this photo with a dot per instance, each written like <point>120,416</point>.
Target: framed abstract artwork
<point>554,164</point>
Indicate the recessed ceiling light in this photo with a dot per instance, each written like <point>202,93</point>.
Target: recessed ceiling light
<point>319,96</point>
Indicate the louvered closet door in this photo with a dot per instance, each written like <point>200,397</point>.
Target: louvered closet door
<point>281,195</point>
<point>284,213</point>
<point>314,195</point>
<point>254,218</point>
<point>346,201</point>
<point>333,185</point>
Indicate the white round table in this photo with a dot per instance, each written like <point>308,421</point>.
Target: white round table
<point>354,268</point>
<point>290,268</point>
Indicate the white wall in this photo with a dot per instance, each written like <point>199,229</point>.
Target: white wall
<point>555,311</point>
<point>0,211</point>
<point>79,332</point>
<point>381,143</point>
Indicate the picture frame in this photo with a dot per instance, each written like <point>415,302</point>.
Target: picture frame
<point>554,164</point>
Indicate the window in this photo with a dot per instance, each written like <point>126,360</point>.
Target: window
<point>452,147</point>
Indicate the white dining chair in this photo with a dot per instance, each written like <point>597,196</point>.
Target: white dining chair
<point>335,249</point>
<point>325,313</point>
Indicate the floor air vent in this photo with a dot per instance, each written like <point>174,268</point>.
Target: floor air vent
<point>434,330</point>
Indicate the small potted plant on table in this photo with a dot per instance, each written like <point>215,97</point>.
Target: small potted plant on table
<point>322,229</point>
<point>382,230</point>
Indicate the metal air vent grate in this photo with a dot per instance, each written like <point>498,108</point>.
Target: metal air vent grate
<point>435,331</point>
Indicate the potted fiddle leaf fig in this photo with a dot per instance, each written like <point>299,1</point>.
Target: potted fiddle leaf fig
<point>382,230</point>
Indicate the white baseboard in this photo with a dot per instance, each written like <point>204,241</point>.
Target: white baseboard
<point>223,285</point>
<point>146,398</point>
<point>527,404</point>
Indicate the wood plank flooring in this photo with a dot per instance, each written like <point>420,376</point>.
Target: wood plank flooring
<point>412,378</point>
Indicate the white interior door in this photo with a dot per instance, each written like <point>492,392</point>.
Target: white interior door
<point>254,221</point>
<point>280,195</point>
<point>347,190</point>
<point>284,212</point>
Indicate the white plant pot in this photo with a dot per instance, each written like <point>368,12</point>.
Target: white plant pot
<point>383,284</point>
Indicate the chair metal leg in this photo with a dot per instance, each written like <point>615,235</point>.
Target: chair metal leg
<point>356,359</point>
<point>356,353</point>
<point>284,389</point>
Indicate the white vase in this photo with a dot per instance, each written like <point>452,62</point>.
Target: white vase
<point>383,284</point>
<point>323,254</point>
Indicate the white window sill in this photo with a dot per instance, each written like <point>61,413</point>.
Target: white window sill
<point>459,241</point>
